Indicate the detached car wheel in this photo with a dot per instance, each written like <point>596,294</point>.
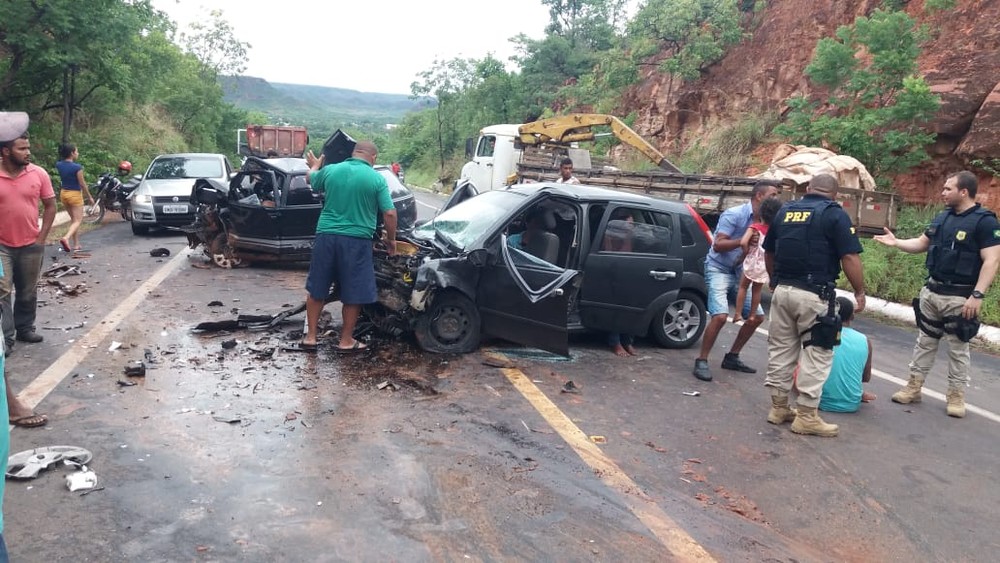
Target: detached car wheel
<point>139,229</point>
<point>679,324</point>
<point>451,325</point>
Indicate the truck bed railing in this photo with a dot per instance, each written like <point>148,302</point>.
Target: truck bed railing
<point>710,195</point>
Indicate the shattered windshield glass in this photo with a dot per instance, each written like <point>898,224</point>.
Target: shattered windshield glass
<point>469,220</point>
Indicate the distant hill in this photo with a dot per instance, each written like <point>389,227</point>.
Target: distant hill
<point>320,108</point>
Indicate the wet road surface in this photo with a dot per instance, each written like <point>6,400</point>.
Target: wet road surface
<point>260,454</point>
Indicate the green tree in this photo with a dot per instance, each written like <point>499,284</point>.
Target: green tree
<point>446,81</point>
<point>56,55</point>
<point>215,44</point>
<point>693,34</point>
<point>876,105</point>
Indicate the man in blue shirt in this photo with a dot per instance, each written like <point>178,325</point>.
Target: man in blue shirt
<point>723,268</point>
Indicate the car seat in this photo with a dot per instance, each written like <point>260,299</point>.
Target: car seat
<point>545,244</point>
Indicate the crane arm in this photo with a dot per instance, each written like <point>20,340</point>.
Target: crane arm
<point>576,127</point>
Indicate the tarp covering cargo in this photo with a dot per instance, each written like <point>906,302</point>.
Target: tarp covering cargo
<point>800,163</point>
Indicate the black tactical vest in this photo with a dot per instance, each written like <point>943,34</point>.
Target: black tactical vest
<point>802,253</point>
<point>953,255</point>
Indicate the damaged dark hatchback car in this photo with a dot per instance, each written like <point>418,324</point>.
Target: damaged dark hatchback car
<point>533,263</point>
<point>268,213</point>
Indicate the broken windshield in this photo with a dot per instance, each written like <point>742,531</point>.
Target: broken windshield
<point>466,222</point>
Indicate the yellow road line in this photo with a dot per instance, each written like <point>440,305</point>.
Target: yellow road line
<point>55,373</point>
<point>666,530</point>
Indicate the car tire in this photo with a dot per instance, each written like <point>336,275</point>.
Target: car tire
<point>450,325</point>
<point>139,229</point>
<point>223,255</point>
<point>680,323</point>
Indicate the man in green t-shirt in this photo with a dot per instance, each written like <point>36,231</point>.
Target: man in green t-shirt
<point>354,193</point>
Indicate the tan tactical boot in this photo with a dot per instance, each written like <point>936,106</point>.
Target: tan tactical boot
<point>910,393</point>
<point>780,411</point>
<point>807,421</point>
<point>956,402</point>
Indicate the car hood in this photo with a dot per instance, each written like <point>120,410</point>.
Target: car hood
<point>172,187</point>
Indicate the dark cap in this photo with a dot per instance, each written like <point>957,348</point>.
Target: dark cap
<point>13,124</point>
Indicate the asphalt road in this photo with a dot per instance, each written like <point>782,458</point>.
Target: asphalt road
<point>255,453</point>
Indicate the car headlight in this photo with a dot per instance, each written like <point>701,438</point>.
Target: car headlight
<point>143,198</point>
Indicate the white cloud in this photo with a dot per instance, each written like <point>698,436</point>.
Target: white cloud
<point>372,46</point>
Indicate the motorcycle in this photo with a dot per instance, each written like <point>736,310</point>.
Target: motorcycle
<point>109,193</point>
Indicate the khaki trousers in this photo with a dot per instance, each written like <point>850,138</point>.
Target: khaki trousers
<point>935,307</point>
<point>794,312</point>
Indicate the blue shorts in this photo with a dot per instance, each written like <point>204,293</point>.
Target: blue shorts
<point>346,261</point>
<point>722,287</point>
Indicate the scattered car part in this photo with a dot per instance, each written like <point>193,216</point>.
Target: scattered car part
<point>80,480</point>
<point>229,344</point>
<point>159,252</point>
<point>62,270</point>
<point>135,368</point>
<point>691,393</point>
<point>27,464</point>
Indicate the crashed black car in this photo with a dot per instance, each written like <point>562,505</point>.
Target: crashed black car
<point>599,260</point>
<point>268,213</point>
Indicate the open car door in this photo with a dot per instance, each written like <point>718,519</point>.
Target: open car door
<point>526,300</point>
<point>253,213</point>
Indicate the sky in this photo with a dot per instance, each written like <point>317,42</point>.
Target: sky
<point>389,41</point>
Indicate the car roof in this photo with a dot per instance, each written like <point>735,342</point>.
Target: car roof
<point>288,164</point>
<point>582,192</point>
<point>190,154</point>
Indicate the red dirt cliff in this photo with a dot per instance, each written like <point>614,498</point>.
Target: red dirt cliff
<point>961,63</point>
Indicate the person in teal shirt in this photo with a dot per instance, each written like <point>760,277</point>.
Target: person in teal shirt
<point>852,366</point>
<point>354,193</point>
<point>4,439</point>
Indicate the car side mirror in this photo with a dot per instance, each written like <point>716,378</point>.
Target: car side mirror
<point>478,257</point>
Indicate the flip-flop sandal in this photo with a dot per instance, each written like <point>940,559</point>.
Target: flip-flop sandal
<point>65,245</point>
<point>357,347</point>
<point>33,420</point>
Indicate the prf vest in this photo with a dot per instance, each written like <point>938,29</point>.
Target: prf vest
<point>802,253</point>
<point>953,256</point>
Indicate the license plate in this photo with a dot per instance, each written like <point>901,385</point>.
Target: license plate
<point>175,208</point>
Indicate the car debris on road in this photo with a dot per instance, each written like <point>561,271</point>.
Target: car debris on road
<point>29,463</point>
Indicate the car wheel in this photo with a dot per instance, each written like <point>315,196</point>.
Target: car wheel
<point>139,229</point>
<point>679,324</point>
<point>223,255</point>
<point>450,325</point>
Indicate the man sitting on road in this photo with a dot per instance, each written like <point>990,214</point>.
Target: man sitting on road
<point>852,365</point>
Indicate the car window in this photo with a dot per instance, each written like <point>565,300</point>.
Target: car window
<point>487,145</point>
<point>638,231</point>
<point>180,167</point>
<point>689,229</point>
<point>467,221</point>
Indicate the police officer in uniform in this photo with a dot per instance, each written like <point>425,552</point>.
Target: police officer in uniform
<point>808,242</point>
<point>963,252</point>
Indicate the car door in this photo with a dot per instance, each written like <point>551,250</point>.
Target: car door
<point>632,262</point>
<point>253,226</point>
<point>525,300</point>
<point>298,213</point>
<point>480,169</point>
